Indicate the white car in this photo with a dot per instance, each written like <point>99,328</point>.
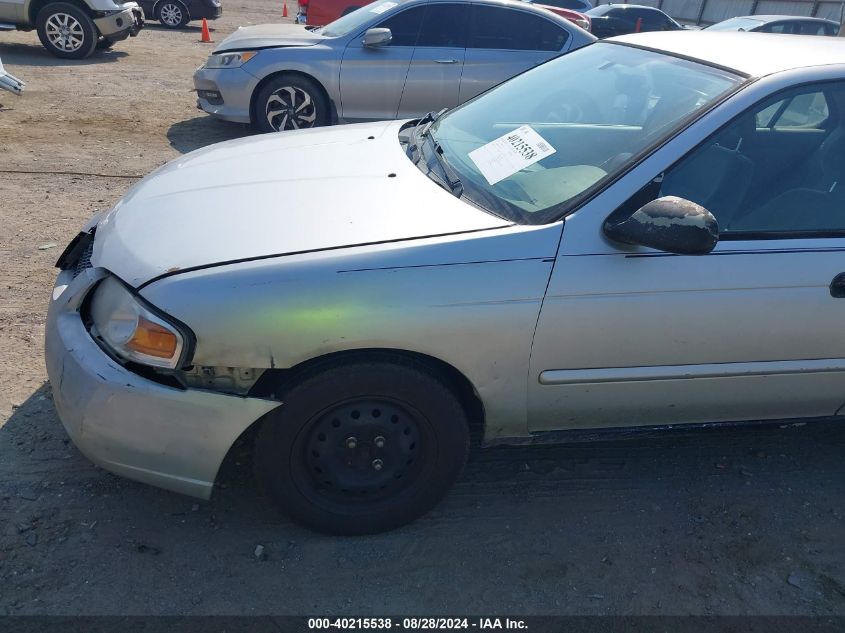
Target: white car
<point>10,82</point>
<point>649,231</point>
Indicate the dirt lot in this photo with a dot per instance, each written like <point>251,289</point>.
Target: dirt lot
<point>726,522</point>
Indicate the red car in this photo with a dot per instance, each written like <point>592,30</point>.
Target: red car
<point>321,12</point>
<point>579,19</point>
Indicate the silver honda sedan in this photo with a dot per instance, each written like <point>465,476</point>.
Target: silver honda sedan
<point>390,59</point>
<point>656,237</point>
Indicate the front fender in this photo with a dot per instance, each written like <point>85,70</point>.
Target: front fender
<point>471,302</point>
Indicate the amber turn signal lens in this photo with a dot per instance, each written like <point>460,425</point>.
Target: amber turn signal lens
<point>153,340</point>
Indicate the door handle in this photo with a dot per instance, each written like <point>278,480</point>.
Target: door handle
<point>837,286</point>
<point>446,61</point>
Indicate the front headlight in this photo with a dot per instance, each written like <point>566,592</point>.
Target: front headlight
<point>131,330</point>
<point>230,60</point>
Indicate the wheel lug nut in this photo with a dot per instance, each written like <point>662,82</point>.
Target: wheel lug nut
<point>379,442</point>
<point>377,464</point>
<point>351,442</point>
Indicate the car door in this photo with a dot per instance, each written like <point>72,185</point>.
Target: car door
<point>632,336</point>
<point>434,75</point>
<point>372,78</point>
<point>504,42</point>
<point>11,10</point>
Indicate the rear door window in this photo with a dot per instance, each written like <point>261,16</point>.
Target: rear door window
<point>811,28</point>
<point>509,29</point>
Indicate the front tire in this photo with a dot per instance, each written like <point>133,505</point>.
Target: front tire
<point>362,448</point>
<point>290,102</point>
<point>172,14</point>
<point>66,31</point>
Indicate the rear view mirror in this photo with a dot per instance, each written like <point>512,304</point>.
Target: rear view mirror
<point>670,224</point>
<point>374,38</point>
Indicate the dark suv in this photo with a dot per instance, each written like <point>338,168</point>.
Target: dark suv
<point>620,19</point>
<point>174,14</point>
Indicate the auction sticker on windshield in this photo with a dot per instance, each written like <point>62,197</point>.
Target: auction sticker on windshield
<point>510,153</point>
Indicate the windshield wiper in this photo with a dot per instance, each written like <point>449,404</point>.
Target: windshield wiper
<point>419,132</point>
<point>452,178</point>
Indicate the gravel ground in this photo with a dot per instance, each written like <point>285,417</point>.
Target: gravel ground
<point>742,521</point>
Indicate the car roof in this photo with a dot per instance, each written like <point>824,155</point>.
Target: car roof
<point>779,18</point>
<point>755,55</point>
<point>512,4</point>
<point>629,6</point>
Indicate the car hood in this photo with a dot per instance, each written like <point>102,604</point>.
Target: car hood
<point>268,35</point>
<point>278,194</point>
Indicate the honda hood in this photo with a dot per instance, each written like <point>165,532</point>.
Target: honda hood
<point>277,194</point>
<point>267,36</point>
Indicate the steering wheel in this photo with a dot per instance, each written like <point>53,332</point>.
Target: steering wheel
<point>569,106</point>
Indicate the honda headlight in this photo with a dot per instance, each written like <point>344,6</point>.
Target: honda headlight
<point>229,60</point>
<point>133,331</point>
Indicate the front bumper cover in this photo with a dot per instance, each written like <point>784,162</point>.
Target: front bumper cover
<point>121,24</point>
<point>170,438</point>
<point>235,87</point>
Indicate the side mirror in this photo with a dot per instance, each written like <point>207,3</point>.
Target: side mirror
<point>670,224</point>
<point>374,38</point>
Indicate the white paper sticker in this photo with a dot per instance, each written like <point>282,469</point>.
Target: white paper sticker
<point>381,8</point>
<point>510,153</point>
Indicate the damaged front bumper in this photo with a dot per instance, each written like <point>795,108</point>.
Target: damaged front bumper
<point>164,436</point>
<point>121,24</point>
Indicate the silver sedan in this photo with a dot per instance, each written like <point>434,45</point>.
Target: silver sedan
<point>655,238</point>
<point>390,59</point>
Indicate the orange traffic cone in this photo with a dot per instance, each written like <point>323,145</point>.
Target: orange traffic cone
<point>206,34</point>
<point>284,9</point>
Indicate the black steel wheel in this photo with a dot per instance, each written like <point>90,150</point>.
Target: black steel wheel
<point>362,448</point>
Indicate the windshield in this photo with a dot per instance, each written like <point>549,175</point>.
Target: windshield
<point>538,143</point>
<point>599,11</point>
<point>357,19</point>
<point>735,24</point>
